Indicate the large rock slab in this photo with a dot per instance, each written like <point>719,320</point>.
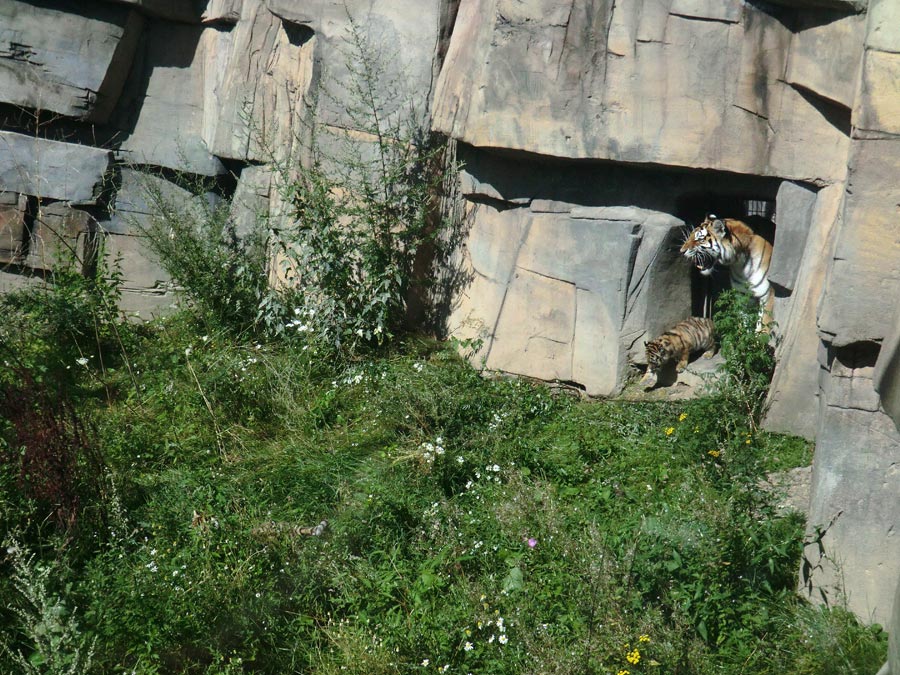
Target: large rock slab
<point>58,60</point>
<point>534,76</point>
<point>795,204</point>
<point>163,106</point>
<point>51,169</point>
<point>12,226</point>
<point>60,236</point>
<point>792,406</point>
<point>825,55</point>
<point>855,489</point>
<point>257,77</point>
<point>401,43</point>
<point>864,280</point>
<point>559,291</point>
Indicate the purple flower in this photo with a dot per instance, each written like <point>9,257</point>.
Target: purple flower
<point>532,542</point>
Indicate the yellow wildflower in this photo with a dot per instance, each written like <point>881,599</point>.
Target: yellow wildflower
<point>633,657</point>
<point>682,417</point>
<point>714,453</point>
<point>644,638</point>
<point>670,431</point>
<point>624,672</point>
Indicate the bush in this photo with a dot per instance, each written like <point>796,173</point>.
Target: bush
<point>748,353</point>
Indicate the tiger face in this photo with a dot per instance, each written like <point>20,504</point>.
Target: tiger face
<point>708,244</point>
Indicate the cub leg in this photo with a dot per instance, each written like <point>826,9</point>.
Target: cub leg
<point>682,361</point>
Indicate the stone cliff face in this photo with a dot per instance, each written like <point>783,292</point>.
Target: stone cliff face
<point>591,132</point>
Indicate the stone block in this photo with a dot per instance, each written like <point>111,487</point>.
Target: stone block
<point>563,291</point>
<point>162,112</point>
<point>62,61</point>
<point>795,204</point>
<point>140,272</point>
<point>402,43</point>
<point>222,11</point>
<point>51,169</point>
<point>809,144</point>
<point>529,84</point>
<point>59,236</point>
<point>257,77</point>
<point>597,360</point>
<point>250,202</point>
<point>886,376</point>
<point>715,10</point>
<point>792,405</point>
<point>12,226</point>
<point>878,104</point>
<point>595,255</point>
<point>494,240</point>
<point>883,30</point>
<point>824,56</point>
<point>535,329</point>
<point>854,494</point>
<point>15,281</point>
<point>864,279</point>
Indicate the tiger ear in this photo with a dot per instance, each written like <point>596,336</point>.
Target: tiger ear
<point>719,227</point>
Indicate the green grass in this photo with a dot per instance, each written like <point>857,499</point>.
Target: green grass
<point>485,525</point>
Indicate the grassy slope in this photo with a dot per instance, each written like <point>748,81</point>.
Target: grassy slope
<point>482,525</point>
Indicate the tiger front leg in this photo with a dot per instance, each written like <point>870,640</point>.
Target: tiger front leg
<point>682,361</point>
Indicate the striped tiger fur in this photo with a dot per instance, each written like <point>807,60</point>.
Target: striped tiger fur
<point>677,344</point>
<point>733,244</point>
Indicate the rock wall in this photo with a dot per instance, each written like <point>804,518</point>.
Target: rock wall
<point>591,131</point>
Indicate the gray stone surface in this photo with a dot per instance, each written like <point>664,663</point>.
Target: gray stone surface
<point>792,405</point>
<point>163,106</point>
<point>547,293</point>
<point>864,280</point>
<point>250,202</point>
<point>825,55</point>
<point>257,76</point>
<point>12,226</point>
<point>59,236</point>
<point>886,376</point>
<point>51,169</point>
<point>795,204</point>
<point>532,76</point>
<point>58,61</point>
<point>855,491</point>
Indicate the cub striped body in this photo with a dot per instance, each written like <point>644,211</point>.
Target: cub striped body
<point>677,344</point>
<point>733,244</point>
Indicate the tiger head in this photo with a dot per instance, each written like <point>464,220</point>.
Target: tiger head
<point>707,244</point>
<point>656,355</point>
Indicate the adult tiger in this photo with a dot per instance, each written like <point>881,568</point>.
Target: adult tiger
<point>733,244</point>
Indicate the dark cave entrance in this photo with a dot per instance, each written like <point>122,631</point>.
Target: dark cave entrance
<point>758,211</point>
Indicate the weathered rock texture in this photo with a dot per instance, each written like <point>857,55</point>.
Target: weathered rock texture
<point>590,131</point>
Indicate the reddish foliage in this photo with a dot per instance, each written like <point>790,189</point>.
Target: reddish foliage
<point>50,448</point>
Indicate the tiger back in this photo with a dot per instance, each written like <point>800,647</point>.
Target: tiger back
<point>677,344</point>
<point>733,244</point>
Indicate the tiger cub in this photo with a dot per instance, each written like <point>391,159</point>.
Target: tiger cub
<point>682,339</point>
<point>733,244</point>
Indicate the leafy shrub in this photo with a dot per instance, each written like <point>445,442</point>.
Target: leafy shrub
<point>225,277</point>
<point>362,209</point>
<point>749,359</point>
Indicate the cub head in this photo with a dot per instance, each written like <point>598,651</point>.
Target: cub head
<point>706,243</point>
<point>655,356</point>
